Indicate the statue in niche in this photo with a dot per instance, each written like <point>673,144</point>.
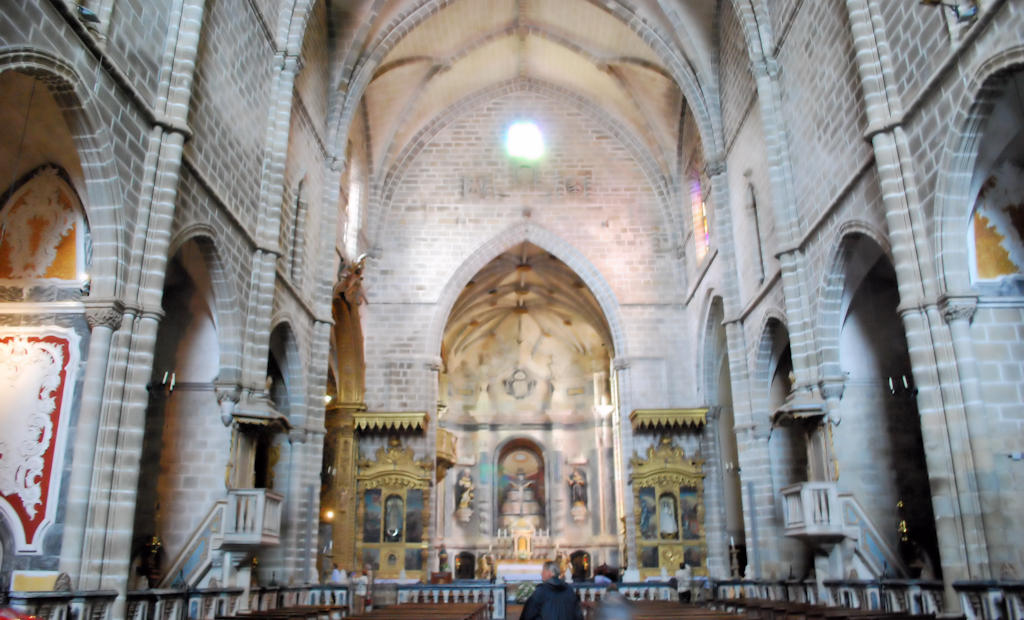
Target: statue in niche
<point>521,493</point>
<point>578,487</point>
<point>393,516</point>
<point>668,521</point>
<point>464,496</point>
<point>464,490</point>
<point>578,494</point>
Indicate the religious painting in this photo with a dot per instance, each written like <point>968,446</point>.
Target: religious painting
<point>414,559</point>
<point>371,517</point>
<point>44,230</point>
<point>414,516</point>
<point>37,376</point>
<point>521,485</point>
<point>648,523</point>
<point>694,555</point>
<point>649,557</point>
<point>688,504</point>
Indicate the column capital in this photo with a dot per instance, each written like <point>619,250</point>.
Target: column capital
<point>958,307</point>
<point>104,312</point>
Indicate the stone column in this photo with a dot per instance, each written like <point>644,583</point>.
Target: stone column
<point>106,548</point>
<point>951,469</point>
<point>104,317</point>
<point>623,451</point>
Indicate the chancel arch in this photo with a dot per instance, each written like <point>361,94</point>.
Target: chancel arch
<point>526,392</point>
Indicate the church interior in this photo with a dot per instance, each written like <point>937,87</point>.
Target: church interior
<point>442,289</point>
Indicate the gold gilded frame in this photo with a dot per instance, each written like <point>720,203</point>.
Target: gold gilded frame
<point>665,471</point>
<point>395,472</point>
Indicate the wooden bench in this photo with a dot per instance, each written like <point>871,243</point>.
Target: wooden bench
<point>302,612</point>
<point>429,611</point>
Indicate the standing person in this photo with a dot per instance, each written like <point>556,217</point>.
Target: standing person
<point>614,606</point>
<point>338,575</point>
<point>684,577</point>
<point>360,583</point>
<point>553,599</point>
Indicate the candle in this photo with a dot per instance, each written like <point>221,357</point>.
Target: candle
<point>732,543</point>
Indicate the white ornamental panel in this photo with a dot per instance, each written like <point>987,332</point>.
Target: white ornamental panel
<point>38,367</point>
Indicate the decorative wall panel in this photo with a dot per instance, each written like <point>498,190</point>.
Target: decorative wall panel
<point>38,368</point>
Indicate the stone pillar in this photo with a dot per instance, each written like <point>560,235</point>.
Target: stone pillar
<point>623,451</point>
<point>104,317</point>
<point>951,468</point>
<point>105,555</point>
<point>258,313</point>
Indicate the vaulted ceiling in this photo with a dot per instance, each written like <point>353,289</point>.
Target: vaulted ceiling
<point>406,62</point>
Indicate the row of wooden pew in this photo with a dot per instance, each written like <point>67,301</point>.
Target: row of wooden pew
<point>784,610</point>
<point>429,611</point>
<point>659,610</point>
<point>302,612</point>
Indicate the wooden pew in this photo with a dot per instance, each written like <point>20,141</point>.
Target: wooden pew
<point>429,611</point>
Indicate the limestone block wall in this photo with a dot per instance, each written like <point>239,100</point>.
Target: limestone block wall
<point>434,223</point>
<point>229,106</point>
<point>821,103</point>
<point>998,337</point>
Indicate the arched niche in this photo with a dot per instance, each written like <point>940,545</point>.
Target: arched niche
<point>44,231</point>
<point>520,483</point>
<point>183,429</point>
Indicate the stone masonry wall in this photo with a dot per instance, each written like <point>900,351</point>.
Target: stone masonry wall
<point>615,223</point>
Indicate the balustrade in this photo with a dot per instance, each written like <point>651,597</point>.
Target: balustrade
<point>253,518</point>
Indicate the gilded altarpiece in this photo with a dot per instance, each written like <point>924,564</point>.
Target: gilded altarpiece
<point>394,496</point>
<point>668,506</point>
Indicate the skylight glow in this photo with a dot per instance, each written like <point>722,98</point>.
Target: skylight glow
<point>524,141</point>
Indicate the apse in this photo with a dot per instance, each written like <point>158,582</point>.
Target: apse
<point>526,342</point>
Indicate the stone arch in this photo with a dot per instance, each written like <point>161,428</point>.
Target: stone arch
<point>284,348</point>
<point>772,320</point>
<point>714,313</point>
<point>834,286</point>
<point>103,195</point>
<point>545,240</point>
<point>229,327</point>
<point>386,184</point>
<point>953,198</point>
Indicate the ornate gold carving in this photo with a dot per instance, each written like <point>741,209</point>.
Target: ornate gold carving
<point>390,420</point>
<point>657,419</point>
<point>668,507</point>
<point>394,466</point>
<point>446,452</point>
<point>395,471</point>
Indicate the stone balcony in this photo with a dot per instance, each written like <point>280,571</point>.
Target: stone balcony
<point>812,512</point>
<point>252,519</point>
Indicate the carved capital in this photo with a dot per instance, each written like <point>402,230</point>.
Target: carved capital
<point>958,308</point>
<point>228,395</point>
<point>105,313</point>
<point>832,387</point>
<point>715,167</point>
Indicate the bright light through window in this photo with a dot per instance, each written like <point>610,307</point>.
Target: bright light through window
<point>524,141</point>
